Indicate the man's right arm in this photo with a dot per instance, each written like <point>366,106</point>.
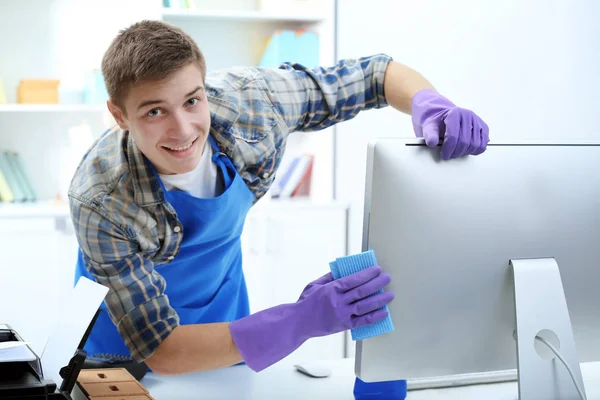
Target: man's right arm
<point>150,327</point>
<point>191,348</point>
<point>138,305</point>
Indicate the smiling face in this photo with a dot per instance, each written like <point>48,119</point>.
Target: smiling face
<point>169,119</point>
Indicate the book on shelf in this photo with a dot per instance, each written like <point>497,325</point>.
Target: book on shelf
<point>15,181</point>
<point>2,92</point>
<point>284,45</point>
<point>6,195</point>
<point>179,4</point>
<point>296,179</point>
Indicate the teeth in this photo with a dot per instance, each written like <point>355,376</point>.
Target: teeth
<point>181,148</point>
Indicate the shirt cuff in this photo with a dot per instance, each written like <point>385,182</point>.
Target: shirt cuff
<point>145,327</point>
<point>380,63</point>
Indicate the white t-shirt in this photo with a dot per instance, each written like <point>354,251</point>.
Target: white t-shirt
<point>201,182</point>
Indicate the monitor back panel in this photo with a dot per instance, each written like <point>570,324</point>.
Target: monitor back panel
<point>446,231</point>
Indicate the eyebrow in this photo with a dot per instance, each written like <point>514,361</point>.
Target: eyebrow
<point>151,102</point>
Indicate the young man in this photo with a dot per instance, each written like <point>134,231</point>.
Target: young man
<point>159,202</point>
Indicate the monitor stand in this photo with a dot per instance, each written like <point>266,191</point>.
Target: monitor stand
<point>541,310</point>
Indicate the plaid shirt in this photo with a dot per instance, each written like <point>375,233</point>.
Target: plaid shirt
<point>123,223</point>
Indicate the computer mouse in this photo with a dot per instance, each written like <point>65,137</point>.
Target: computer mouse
<point>314,370</point>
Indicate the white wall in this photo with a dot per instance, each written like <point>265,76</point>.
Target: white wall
<point>528,68</point>
<point>56,39</point>
<point>83,31</point>
<point>62,39</point>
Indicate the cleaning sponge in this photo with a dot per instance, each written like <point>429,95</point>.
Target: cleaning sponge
<point>344,266</point>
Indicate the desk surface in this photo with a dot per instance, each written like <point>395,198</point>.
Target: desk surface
<point>283,381</point>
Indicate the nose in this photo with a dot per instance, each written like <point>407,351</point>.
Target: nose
<point>181,125</point>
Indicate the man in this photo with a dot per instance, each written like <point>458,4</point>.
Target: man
<point>159,203</point>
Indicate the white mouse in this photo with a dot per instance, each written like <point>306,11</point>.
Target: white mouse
<point>314,370</point>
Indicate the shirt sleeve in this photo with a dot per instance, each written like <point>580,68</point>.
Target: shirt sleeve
<point>314,99</point>
<point>136,300</point>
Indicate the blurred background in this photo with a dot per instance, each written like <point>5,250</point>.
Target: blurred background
<point>528,68</point>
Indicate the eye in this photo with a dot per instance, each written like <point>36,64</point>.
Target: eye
<point>155,112</point>
<point>192,101</point>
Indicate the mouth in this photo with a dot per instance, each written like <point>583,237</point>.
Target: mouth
<point>181,151</point>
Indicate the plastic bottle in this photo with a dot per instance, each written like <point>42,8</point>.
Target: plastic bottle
<point>94,92</point>
<point>388,390</point>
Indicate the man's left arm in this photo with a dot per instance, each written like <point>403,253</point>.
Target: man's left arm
<point>311,99</point>
<point>401,83</point>
<point>314,99</point>
<point>434,117</point>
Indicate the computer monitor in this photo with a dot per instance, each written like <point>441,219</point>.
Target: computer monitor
<point>452,234</point>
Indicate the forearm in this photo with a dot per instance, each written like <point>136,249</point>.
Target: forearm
<point>400,85</point>
<point>311,99</point>
<point>192,348</point>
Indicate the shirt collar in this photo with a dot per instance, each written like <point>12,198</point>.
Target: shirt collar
<point>146,187</point>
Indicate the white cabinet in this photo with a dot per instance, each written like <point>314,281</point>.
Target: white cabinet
<point>287,245</point>
<point>36,273</point>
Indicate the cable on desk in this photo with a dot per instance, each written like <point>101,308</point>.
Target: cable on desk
<point>557,354</point>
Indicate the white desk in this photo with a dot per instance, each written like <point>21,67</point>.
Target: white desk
<point>281,381</point>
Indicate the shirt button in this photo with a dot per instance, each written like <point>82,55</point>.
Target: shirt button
<point>177,229</point>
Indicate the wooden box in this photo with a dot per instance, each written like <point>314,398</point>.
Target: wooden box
<point>109,384</point>
<point>103,375</point>
<point>140,397</point>
<point>112,389</point>
<point>38,91</point>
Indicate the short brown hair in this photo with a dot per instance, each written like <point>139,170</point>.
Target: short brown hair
<point>147,50</point>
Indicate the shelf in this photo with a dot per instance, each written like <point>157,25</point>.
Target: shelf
<point>298,203</point>
<point>234,15</point>
<point>51,108</point>
<point>53,209</point>
<point>40,209</point>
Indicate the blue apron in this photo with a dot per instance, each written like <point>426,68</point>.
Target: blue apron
<point>205,281</point>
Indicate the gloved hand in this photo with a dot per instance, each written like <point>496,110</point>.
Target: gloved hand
<point>325,307</point>
<point>434,117</point>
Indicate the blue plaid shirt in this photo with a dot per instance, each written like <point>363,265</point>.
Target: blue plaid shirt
<point>123,223</point>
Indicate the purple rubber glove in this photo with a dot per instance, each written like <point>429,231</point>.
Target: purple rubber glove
<point>326,306</point>
<point>434,117</point>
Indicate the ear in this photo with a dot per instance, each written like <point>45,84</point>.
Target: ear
<point>118,115</point>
